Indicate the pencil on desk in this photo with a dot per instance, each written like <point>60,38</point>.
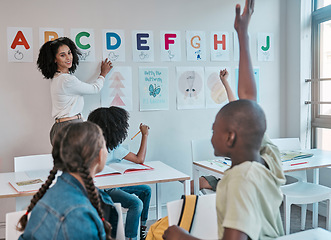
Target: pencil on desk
<point>135,135</point>
<point>298,163</point>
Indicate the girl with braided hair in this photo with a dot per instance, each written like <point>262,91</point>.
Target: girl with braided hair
<point>71,209</point>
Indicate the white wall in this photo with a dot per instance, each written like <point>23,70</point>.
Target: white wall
<point>24,95</point>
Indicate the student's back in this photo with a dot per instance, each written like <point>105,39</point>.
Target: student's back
<point>65,212</point>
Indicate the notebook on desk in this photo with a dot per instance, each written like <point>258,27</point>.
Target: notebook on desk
<point>122,168</point>
<point>294,155</point>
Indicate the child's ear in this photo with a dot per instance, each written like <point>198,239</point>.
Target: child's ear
<point>231,138</point>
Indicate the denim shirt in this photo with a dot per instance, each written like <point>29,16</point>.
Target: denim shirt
<point>65,212</point>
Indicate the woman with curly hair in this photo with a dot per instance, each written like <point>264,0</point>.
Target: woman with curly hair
<point>114,123</point>
<point>58,60</point>
<point>71,209</point>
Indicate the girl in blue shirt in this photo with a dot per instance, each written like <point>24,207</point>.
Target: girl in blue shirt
<point>114,123</point>
<point>71,209</point>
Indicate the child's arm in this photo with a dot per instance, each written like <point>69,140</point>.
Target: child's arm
<point>224,74</point>
<point>140,156</point>
<point>246,81</point>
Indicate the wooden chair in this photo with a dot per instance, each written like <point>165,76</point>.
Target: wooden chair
<point>205,220</point>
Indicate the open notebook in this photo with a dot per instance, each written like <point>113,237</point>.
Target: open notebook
<point>122,168</point>
<point>26,186</point>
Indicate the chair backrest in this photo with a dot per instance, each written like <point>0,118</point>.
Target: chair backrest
<point>11,223</point>
<point>120,225</point>
<point>202,149</point>
<point>287,143</point>
<point>205,220</point>
<point>33,162</point>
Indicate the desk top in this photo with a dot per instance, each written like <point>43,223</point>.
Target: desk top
<point>320,159</point>
<point>161,173</point>
<point>316,233</point>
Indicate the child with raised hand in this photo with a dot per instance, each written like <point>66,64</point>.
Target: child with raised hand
<point>71,208</point>
<point>114,123</point>
<point>248,197</point>
<point>210,181</point>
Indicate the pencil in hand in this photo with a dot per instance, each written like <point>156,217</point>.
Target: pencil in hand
<point>135,135</point>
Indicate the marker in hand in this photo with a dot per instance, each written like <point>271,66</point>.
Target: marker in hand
<point>135,135</point>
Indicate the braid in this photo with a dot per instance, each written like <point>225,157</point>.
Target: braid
<point>24,219</point>
<point>93,195</point>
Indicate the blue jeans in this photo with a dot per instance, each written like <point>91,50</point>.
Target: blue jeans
<point>137,206</point>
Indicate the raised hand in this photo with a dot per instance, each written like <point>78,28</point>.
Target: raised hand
<point>241,21</point>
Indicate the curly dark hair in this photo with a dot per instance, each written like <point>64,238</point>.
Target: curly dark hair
<point>114,123</point>
<point>46,59</point>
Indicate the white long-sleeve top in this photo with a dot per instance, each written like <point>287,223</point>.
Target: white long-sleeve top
<point>67,94</point>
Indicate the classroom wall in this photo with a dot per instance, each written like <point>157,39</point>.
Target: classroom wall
<point>25,103</point>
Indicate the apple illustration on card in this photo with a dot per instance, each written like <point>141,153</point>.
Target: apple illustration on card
<point>18,55</point>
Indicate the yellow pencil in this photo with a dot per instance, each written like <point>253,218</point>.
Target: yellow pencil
<point>135,135</point>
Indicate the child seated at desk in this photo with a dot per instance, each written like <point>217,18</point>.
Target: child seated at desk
<point>248,197</point>
<point>114,123</point>
<point>71,208</point>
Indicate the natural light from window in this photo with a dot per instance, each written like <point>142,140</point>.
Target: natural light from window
<point>323,3</point>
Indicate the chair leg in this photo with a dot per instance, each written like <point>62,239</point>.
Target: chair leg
<point>303,216</point>
<point>287,216</point>
<point>315,215</point>
<point>328,215</point>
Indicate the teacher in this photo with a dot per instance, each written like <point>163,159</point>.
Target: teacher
<point>58,60</point>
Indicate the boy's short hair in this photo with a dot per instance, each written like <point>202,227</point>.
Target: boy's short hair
<point>247,118</point>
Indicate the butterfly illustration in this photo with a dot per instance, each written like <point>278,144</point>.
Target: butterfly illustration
<point>154,90</point>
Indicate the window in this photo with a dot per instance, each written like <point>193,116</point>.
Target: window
<point>322,3</point>
<point>321,75</point>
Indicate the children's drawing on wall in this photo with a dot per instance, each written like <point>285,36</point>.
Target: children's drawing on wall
<point>215,92</point>
<point>190,88</point>
<point>84,40</point>
<point>196,46</point>
<point>117,90</point>
<point>19,44</point>
<point>170,46</point>
<point>219,46</point>
<point>113,45</point>
<point>257,81</point>
<point>153,88</point>
<point>143,46</point>
<point>49,34</point>
<point>265,47</point>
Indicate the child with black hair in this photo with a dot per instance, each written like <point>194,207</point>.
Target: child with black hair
<point>71,208</point>
<point>114,123</point>
<point>248,197</point>
<point>58,60</point>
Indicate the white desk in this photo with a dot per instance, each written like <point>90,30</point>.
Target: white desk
<point>316,233</point>
<point>161,173</point>
<point>320,159</point>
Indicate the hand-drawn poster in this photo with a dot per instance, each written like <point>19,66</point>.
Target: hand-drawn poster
<point>153,88</point>
<point>190,87</point>
<point>143,46</point>
<point>20,44</point>
<point>170,46</point>
<point>49,34</point>
<point>117,89</point>
<point>113,45</point>
<point>219,46</point>
<point>216,95</point>
<point>265,47</point>
<point>84,40</point>
<point>257,82</point>
<point>195,46</point>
